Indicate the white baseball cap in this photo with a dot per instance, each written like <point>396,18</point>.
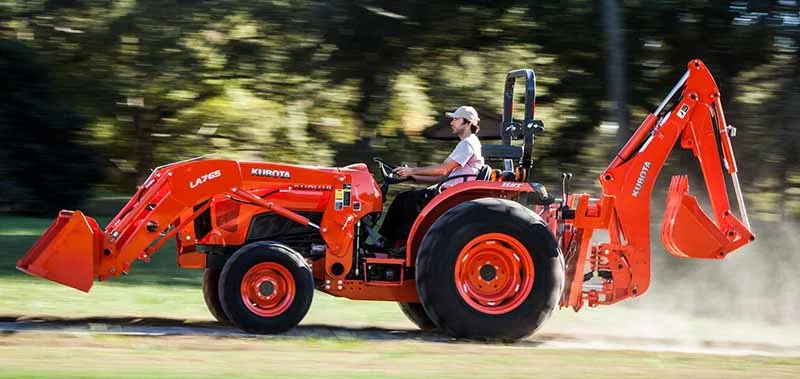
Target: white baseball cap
<point>466,112</point>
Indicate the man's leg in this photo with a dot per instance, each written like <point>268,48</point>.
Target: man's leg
<point>417,200</point>
<point>402,213</point>
<point>394,219</point>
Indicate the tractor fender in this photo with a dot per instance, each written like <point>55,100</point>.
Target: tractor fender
<point>458,194</point>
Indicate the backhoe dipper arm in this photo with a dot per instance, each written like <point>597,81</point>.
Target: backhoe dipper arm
<point>623,263</point>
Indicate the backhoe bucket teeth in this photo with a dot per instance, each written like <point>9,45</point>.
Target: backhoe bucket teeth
<point>66,253</point>
<point>687,232</point>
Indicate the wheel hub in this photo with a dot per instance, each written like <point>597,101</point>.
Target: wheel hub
<point>266,288</point>
<point>488,272</point>
<point>494,273</point>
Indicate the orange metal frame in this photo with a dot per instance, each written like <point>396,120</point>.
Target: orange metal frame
<point>698,121</point>
<point>74,250</point>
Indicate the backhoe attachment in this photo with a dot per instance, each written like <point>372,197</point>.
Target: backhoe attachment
<point>692,114</point>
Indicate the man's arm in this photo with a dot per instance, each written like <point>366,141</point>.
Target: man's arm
<point>428,172</point>
<point>427,179</point>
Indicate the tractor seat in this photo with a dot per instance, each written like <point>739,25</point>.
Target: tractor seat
<point>484,173</point>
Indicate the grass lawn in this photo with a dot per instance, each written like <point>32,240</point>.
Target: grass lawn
<point>159,289</point>
<point>94,356</point>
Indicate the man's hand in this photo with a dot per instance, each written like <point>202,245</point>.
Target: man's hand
<point>403,172</point>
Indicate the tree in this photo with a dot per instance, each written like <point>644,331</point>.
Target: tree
<point>42,166</point>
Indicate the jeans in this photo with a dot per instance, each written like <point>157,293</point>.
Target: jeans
<point>402,213</point>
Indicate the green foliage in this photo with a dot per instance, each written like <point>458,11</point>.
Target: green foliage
<point>43,168</point>
<point>337,82</point>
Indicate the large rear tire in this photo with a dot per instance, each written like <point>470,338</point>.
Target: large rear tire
<point>266,287</point>
<point>211,294</point>
<point>489,269</point>
<point>416,313</point>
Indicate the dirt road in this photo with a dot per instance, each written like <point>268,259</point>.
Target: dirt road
<point>155,327</point>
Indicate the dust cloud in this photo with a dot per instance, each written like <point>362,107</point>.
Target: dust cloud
<point>751,296</point>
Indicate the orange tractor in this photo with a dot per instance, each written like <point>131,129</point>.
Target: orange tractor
<point>487,258</point>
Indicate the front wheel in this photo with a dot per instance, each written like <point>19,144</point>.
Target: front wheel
<point>489,269</point>
<point>266,287</point>
<point>211,294</point>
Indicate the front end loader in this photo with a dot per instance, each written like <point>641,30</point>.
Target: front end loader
<point>487,258</point>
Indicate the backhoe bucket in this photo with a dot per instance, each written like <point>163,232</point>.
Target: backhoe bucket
<point>66,252</point>
<point>687,232</point>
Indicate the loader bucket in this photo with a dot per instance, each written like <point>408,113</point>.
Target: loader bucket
<point>66,252</point>
<point>687,232</point>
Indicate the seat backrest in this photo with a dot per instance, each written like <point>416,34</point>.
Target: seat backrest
<point>484,173</point>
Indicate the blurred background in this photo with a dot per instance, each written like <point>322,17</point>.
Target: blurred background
<point>94,94</point>
<point>97,93</point>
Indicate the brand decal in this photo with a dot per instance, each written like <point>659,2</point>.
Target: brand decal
<point>270,173</point>
<point>640,180</point>
<point>511,185</point>
<point>312,187</point>
<point>211,175</point>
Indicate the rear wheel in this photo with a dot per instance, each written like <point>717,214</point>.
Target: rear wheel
<point>211,294</point>
<point>266,287</point>
<point>489,269</point>
<point>416,313</point>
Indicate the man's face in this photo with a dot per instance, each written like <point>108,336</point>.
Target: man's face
<point>457,125</point>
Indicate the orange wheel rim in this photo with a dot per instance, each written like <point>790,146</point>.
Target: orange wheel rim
<point>494,273</point>
<point>268,289</point>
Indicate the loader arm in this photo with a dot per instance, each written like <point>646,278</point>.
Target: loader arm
<point>623,264</point>
<point>74,250</point>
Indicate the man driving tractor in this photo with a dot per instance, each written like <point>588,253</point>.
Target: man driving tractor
<point>489,259</point>
<point>465,159</point>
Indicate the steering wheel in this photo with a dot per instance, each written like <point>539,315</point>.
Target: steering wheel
<point>387,171</point>
<point>389,177</point>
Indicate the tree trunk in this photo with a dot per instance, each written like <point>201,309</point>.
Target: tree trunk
<point>372,107</point>
<point>144,145</point>
<point>790,156</point>
<point>616,77</point>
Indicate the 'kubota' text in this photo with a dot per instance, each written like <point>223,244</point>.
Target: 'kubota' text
<point>640,180</point>
<point>270,173</point>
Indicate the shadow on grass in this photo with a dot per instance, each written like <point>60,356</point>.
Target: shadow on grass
<point>155,326</point>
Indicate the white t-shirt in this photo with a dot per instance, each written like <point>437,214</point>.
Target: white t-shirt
<point>468,155</point>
